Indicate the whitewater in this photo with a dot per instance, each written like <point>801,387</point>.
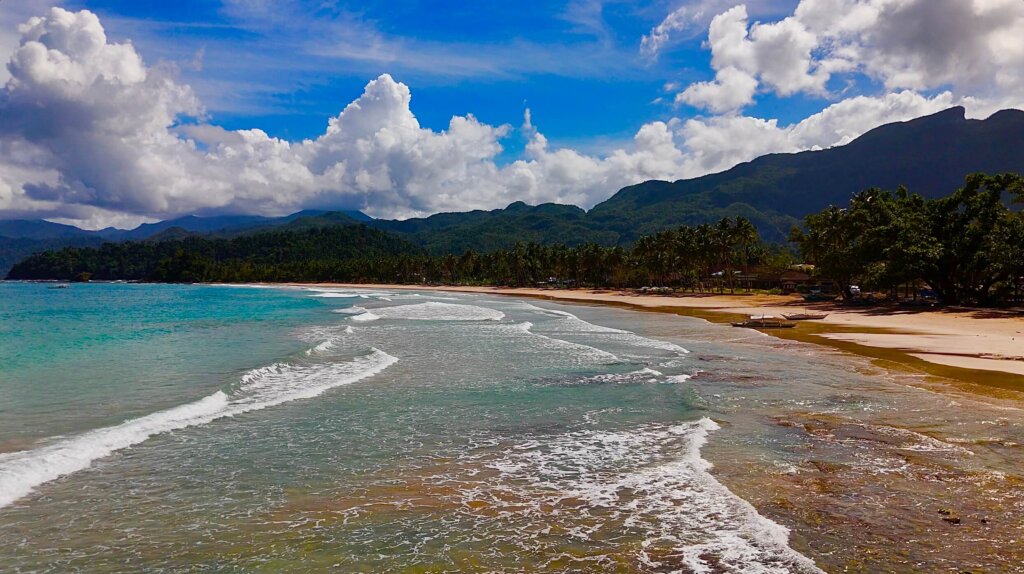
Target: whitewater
<point>542,438</point>
<point>261,388</point>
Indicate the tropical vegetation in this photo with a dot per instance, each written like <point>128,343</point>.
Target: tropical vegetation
<point>689,256</point>
<point>965,248</point>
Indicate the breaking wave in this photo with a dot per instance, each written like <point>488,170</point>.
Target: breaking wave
<point>571,324</point>
<point>592,353</point>
<point>431,311</point>
<point>21,472</point>
<point>595,485</point>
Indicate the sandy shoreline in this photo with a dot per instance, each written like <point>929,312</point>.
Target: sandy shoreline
<point>984,344</point>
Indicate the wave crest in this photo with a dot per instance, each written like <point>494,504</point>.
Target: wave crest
<point>21,472</point>
<point>431,311</point>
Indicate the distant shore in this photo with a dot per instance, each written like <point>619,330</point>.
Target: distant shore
<point>983,346</point>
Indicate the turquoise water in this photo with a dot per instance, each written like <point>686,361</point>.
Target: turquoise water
<point>96,354</point>
<point>225,428</point>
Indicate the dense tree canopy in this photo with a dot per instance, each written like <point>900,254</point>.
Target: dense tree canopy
<point>686,256</point>
<point>967,247</point>
<point>315,254</point>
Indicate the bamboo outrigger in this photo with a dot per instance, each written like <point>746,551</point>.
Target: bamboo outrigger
<point>805,316</point>
<point>764,322</point>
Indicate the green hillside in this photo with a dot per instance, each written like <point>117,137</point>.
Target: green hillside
<point>929,155</point>
<point>308,254</point>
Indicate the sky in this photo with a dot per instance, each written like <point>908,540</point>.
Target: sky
<point>118,112</point>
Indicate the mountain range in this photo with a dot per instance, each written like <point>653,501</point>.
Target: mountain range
<point>929,155</point>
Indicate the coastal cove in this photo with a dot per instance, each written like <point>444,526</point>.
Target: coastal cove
<point>377,428</point>
<point>570,287</point>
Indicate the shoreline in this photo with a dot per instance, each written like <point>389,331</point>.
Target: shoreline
<point>865,468</point>
<point>875,484</point>
<point>975,346</point>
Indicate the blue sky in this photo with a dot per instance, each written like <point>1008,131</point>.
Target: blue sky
<point>286,67</point>
<point>116,112</point>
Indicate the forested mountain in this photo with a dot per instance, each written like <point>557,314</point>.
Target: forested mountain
<point>929,155</point>
<point>20,238</point>
<point>13,250</point>
<point>547,224</point>
<point>41,229</point>
<point>967,247</point>
<point>305,254</point>
<point>231,224</point>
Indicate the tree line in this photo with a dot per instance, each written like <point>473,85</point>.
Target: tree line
<point>967,247</point>
<point>688,256</point>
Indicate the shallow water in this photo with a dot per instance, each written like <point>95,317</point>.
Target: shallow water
<point>229,428</point>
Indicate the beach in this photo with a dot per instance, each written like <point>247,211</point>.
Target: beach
<point>975,345</point>
<point>326,428</point>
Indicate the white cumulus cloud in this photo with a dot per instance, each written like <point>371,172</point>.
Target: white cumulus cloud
<point>731,90</point>
<point>91,134</point>
<point>94,135</point>
<point>971,47</point>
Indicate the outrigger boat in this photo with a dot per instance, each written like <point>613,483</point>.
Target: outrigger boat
<point>764,322</point>
<point>805,316</point>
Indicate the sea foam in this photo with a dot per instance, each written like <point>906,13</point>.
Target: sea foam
<point>571,324</point>
<point>21,472</point>
<point>347,293</point>
<point>651,480</point>
<point>645,375</point>
<point>592,353</point>
<point>322,347</point>
<point>431,311</point>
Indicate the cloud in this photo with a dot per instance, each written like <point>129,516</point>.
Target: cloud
<point>718,143</point>
<point>691,18</point>
<point>777,55</point>
<point>972,48</point>
<point>261,58</point>
<point>688,18</point>
<point>100,135</point>
<point>93,113</point>
<point>921,44</point>
<point>587,17</point>
<point>731,90</point>
<point>12,14</point>
<point>92,135</point>
<point>328,33</point>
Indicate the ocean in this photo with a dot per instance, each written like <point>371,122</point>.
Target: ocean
<point>241,429</point>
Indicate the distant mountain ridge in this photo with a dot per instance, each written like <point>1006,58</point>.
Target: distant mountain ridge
<point>42,229</point>
<point>930,155</point>
<point>20,238</point>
